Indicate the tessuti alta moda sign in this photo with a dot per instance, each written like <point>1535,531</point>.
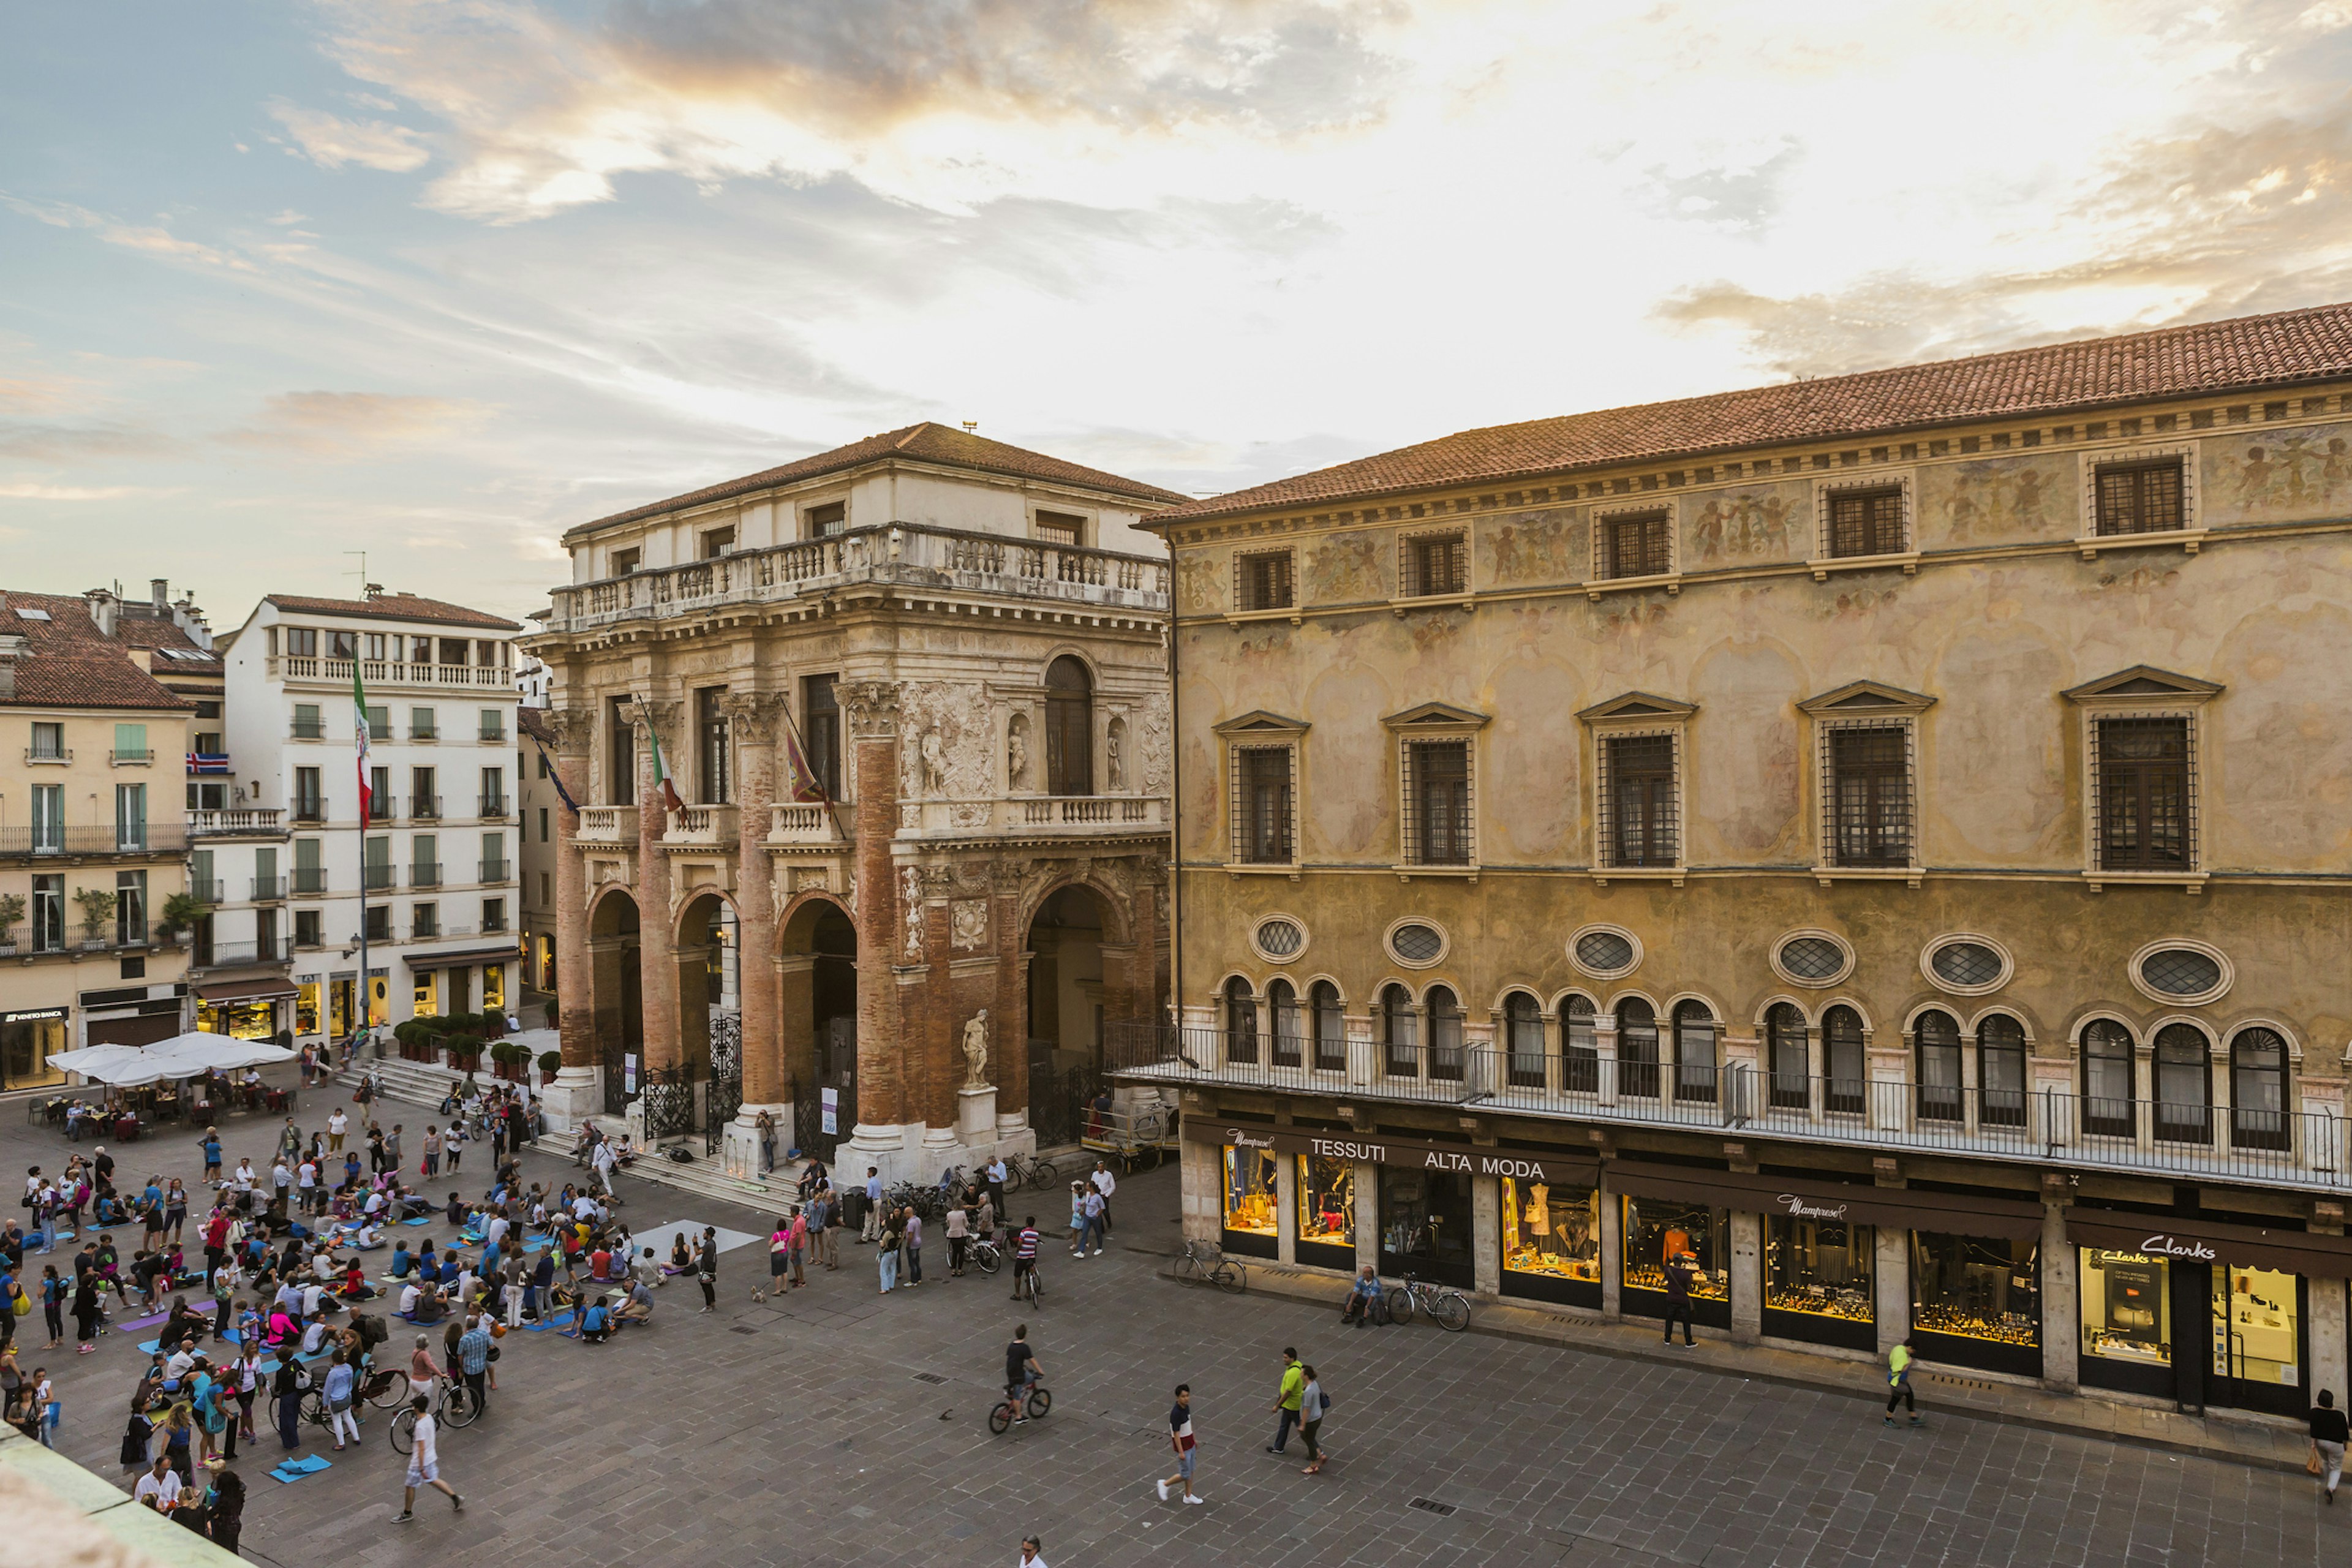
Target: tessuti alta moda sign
<point>1408,1153</point>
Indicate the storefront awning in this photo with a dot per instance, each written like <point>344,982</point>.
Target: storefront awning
<point>265,990</point>
<point>2304,1252</point>
<point>417,961</point>
<point>1381,1149</point>
<point>1898,1208</point>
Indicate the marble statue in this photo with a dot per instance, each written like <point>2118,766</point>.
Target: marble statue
<point>975,1051</point>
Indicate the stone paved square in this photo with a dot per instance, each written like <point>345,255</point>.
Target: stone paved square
<point>811,1432</point>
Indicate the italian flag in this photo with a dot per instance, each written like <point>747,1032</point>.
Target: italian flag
<point>661,774</point>
<point>359,736</point>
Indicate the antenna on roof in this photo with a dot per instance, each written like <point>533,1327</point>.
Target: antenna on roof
<point>367,589</point>
<point>970,425</point>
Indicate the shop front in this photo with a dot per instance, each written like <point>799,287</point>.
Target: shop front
<point>2201,1311</point>
<point>1551,1240</point>
<point>1976,1301</point>
<point>1327,1211</point>
<point>243,1009</point>
<point>28,1037</point>
<point>1426,1225</point>
<point>1248,1198</point>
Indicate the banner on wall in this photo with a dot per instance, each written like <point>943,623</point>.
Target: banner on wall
<point>1554,1166</point>
<point>829,1100</point>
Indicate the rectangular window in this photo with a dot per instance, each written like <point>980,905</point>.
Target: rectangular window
<point>1870,796</point>
<point>425,921</point>
<point>454,650</point>
<point>1436,564</point>
<point>342,644</point>
<point>376,863</point>
<point>1265,581</point>
<point>827,520</point>
<point>203,886</point>
<point>309,927</point>
<point>621,757</point>
<point>420,650</point>
<point>423,724</point>
<point>716,770</point>
<point>265,935</point>
<point>717,542</point>
<point>494,725</point>
<point>375,645</point>
<point>48,742</point>
<point>2139,498</point>
<point>542,824</point>
<point>130,816</point>
<point>1262,805</point>
<point>207,742</point>
<point>625,561</point>
<point>1061,528</point>
<point>1640,820</point>
<point>546,890</point>
<point>266,882</point>
<point>48,818</point>
<point>129,908</point>
<point>424,862</point>
<point>379,801</point>
<point>130,743</point>
<point>821,721</point>
<point>379,723</point>
<point>494,791</point>
<point>1866,523</point>
<point>309,803</point>
<point>302,642</point>
<point>2144,800</point>
<point>494,857</point>
<point>494,914</point>
<point>1635,544</point>
<point>48,932</point>
<point>309,867</point>
<point>424,796</point>
<point>1437,802</point>
<point>379,922</point>
<point>308,724</point>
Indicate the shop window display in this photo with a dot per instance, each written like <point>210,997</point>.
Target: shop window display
<point>1551,1242</point>
<point>1660,1228</point>
<point>2127,1301</point>
<point>238,1020</point>
<point>26,1045</point>
<point>1977,1300</point>
<point>1327,1211</point>
<point>1818,1277</point>
<point>306,1007</point>
<point>1425,1225</point>
<point>2257,1330</point>
<point>1249,1220</point>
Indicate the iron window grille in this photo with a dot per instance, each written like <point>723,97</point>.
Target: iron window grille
<point>1640,811</point>
<point>1636,543</point>
<point>1868,802</point>
<point>2147,807</point>
<point>1437,830</point>
<point>2001,1071</point>
<point>1605,953</point>
<point>2180,972</point>
<point>1637,1048</point>
<point>1265,581</point>
<point>2258,1089</point>
<point>1436,564</point>
<point>1263,822</point>
<point>1968,964</point>
<point>2146,497</point>
<point>1866,521</point>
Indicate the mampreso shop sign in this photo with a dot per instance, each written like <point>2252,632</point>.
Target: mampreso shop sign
<point>1379,1149</point>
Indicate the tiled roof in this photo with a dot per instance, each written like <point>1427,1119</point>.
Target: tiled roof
<point>69,664</point>
<point>928,442</point>
<point>2214,359</point>
<point>394,607</point>
<point>532,722</point>
<point>158,634</point>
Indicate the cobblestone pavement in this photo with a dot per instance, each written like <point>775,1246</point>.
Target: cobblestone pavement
<point>842,1428</point>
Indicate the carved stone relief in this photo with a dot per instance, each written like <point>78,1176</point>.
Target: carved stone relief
<point>969,920</point>
<point>910,895</point>
<point>948,731</point>
<point>1152,745</point>
<point>1016,752</point>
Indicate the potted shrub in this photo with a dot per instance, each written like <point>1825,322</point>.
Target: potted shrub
<point>509,1062</point>
<point>180,912</point>
<point>465,1051</point>
<point>549,1064</point>
<point>97,909</point>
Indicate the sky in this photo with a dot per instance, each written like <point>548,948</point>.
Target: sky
<point>282,280</point>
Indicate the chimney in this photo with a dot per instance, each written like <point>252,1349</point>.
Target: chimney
<point>159,592</point>
<point>11,649</point>
<point>102,606</point>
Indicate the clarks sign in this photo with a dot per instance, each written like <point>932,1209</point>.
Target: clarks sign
<point>2174,1247</point>
<point>1408,1153</point>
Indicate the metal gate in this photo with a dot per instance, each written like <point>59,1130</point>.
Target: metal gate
<point>809,1135</point>
<point>615,1075</point>
<point>726,1094</point>
<point>668,1095</point>
<point>1058,1103</point>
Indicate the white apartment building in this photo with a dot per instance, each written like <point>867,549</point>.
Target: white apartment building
<point>431,875</point>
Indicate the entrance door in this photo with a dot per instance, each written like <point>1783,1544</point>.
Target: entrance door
<point>2260,1352</point>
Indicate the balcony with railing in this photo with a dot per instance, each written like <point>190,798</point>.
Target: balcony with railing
<point>425,808</point>
<point>238,822</point>
<point>306,729</point>
<point>208,890</point>
<point>131,757</point>
<point>495,807</point>
<point>311,808</point>
<point>268,890</point>
<point>377,879</point>
<point>1077,816</point>
<point>425,874</point>
<point>810,825</point>
<point>52,755</point>
<point>897,554</point>
<point>498,870</point>
<point>125,838</point>
<point>2307,1149</point>
<point>607,824</point>
<point>491,735</point>
<point>297,670</point>
<point>383,807</point>
<point>310,880</point>
<point>13,940</point>
<point>702,825</point>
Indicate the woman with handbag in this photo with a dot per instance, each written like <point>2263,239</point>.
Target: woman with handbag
<point>2329,1434</point>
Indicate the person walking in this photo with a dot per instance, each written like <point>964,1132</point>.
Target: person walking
<point>959,1239</point>
<point>342,1380</point>
<point>780,1257</point>
<point>286,1387</point>
<point>1180,1437</point>
<point>1898,1384</point>
<point>1029,1553</point>
<point>1311,1406</point>
<point>2329,1431</point>
<point>706,1268</point>
<point>338,1125</point>
<point>1105,1183</point>
<point>824,1223</point>
<point>425,1464</point>
<point>1091,1210</point>
<point>1287,1400</point>
<point>1678,1297</point>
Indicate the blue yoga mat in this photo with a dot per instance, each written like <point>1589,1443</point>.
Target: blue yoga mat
<point>420,1220</point>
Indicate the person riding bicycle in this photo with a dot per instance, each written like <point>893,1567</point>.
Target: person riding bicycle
<point>1021,1372</point>
<point>1024,1254</point>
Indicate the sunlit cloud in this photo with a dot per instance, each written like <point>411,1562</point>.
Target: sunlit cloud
<point>331,142</point>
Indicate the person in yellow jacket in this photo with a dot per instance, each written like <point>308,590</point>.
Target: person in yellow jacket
<point>1294,1383</point>
<point>1898,1384</point>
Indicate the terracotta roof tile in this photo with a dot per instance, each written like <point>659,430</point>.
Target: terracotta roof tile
<point>532,722</point>
<point>394,607</point>
<point>2212,359</point>
<point>68,663</point>
<point>928,442</point>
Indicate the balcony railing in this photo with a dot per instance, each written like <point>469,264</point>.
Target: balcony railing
<point>798,822</point>
<point>207,890</point>
<point>425,931</point>
<point>712,825</point>
<point>376,879</point>
<point>268,890</point>
<point>48,753</point>
<point>295,669</point>
<point>238,821</point>
<point>425,807</point>
<point>272,949</point>
<point>11,939</point>
<point>131,757</point>
<point>1077,816</point>
<point>424,732</point>
<point>494,734</point>
<point>307,730</point>
<point>495,807</point>
<point>425,874</point>
<point>142,838</point>
<point>312,809</point>
<point>898,553</point>
<point>2046,1126</point>
<point>383,807</point>
<point>497,870</point>
<point>310,880</point>
<point>607,824</point>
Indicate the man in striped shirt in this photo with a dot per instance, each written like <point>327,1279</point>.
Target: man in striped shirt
<point>1024,1253</point>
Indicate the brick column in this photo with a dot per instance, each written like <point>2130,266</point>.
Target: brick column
<point>656,961</point>
<point>872,706</point>
<point>934,1035</point>
<point>1011,1013</point>
<point>766,1080</point>
<point>575,983</point>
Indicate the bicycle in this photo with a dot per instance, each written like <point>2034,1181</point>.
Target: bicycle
<point>454,1405</point>
<point>1027,1285</point>
<point>1446,1307</point>
<point>1001,1418</point>
<point>1203,1261</point>
<point>1030,1169</point>
<point>984,1254</point>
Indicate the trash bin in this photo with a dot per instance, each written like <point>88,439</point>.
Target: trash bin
<point>853,1211</point>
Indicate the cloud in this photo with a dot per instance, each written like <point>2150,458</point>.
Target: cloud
<point>1735,196</point>
<point>74,492</point>
<point>76,443</point>
<point>351,424</point>
<point>331,142</point>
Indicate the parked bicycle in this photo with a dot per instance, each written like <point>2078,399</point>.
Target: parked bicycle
<point>1205,1262</point>
<point>454,1405</point>
<point>1030,1170</point>
<point>984,1254</point>
<point>1444,1305</point>
<point>1007,1408</point>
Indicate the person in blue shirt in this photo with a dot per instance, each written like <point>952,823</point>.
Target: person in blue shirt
<point>400,1260</point>
<point>596,1325</point>
<point>211,1155</point>
<point>1364,1300</point>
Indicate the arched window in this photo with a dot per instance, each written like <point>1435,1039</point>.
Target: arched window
<point>2184,1085</point>
<point>1444,1034</point>
<point>2108,1092</point>
<point>2258,1089</point>
<point>1401,1032</point>
<point>1282,1001</point>
<point>1579,1057</point>
<point>1330,1027</point>
<point>1789,1059</point>
<point>1939,1044</point>
<point>1849,1068</point>
<point>1695,1032</point>
<point>2001,1071</point>
<point>1523,1039</point>
<point>1241,1021</point>
<point>1637,1048</point>
<point>1069,728</point>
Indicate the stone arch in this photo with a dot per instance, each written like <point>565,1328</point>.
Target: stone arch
<point>814,1044</point>
<point>615,992</point>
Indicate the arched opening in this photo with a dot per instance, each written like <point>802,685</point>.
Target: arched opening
<point>1579,1052</point>
<point>1523,1041</point>
<point>2258,1089</point>
<point>1069,728</point>
<point>616,997</point>
<point>2001,1071</point>
<point>2108,1092</point>
<point>1694,1037</point>
<point>2184,1085</point>
<point>1637,1048</point>
<point>816,1022</point>
<point>1330,1027</point>
<point>1240,1022</point>
<point>1936,1039</point>
<point>1400,1032</point>
<point>1282,1007</point>
<point>1844,1045</point>
<point>1788,1055</point>
<point>1445,1053</point>
<point>1074,989</point>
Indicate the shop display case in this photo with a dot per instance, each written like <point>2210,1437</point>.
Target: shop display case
<point>1327,1211</point>
<point>1658,1228</point>
<point>2127,1319</point>
<point>2258,1331</point>
<point>1977,1302</point>
<point>1551,1242</point>
<point>1819,1277</point>
<point>1249,1199</point>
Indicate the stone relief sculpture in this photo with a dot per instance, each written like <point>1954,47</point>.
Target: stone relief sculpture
<point>975,1051</point>
<point>968,922</point>
<point>935,763</point>
<point>1016,752</point>
<point>944,742</point>
<point>910,892</point>
<point>1153,746</point>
